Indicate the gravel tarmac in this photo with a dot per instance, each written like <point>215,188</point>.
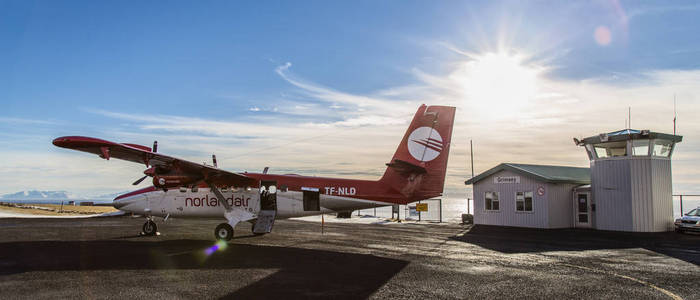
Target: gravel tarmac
<point>106,258</point>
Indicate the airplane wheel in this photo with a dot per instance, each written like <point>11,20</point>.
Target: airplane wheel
<point>150,228</point>
<point>223,232</point>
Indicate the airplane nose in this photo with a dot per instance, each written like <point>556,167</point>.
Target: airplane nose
<point>118,204</point>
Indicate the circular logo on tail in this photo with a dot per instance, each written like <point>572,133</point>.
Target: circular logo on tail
<point>425,144</point>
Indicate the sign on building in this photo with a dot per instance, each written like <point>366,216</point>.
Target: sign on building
<point>506,179</point>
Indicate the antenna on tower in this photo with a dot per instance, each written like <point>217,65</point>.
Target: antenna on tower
<point>674,114</point>
<point>629,117</point>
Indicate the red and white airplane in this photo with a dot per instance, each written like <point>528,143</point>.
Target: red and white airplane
<point>185,189</point>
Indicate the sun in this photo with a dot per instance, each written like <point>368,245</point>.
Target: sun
<point>499,81</point>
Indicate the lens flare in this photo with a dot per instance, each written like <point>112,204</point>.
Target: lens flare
<point>602,35</point>
<point>219,246</point>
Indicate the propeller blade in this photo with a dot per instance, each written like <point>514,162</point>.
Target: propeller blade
<point>139,181</point>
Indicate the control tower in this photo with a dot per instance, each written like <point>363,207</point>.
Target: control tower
<point>631,180</point>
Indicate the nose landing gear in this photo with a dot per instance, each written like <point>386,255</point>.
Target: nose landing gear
<point>223,232</point>
<point>150,228</point>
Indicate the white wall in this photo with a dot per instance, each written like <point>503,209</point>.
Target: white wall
<point>507,216</point>
<point>633,194</point>
<point>561,204</point>
<point>610,185</point>
<point>652,206</point>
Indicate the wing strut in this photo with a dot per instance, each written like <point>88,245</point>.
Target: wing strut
<point>234,215</point>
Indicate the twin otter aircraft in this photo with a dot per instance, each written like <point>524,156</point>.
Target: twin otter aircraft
<point>184,189</point>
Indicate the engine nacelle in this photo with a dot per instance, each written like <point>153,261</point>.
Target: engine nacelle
<point>175,180</point>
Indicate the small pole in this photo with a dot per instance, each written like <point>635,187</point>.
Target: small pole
<point>681,205</point>
<point>471,153</point>
<point>60,211</point>
<point>440,210</point>
<point>629,116</point>
<point>322,223</point>
<point>418,211</point>
<point>674,114</point>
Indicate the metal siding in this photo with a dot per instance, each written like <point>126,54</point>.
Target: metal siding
<point>641,194</point>
<point>561,208</point>
<point>662,198</point>
<point>507,216</point>
<point>652,207</point>
<point>633,194</point>
<point>610,184</point>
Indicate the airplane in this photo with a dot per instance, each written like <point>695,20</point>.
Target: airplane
<point>184,189</point>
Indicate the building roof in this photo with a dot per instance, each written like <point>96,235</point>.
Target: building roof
<point>552,174</point>
<point>629,134</point>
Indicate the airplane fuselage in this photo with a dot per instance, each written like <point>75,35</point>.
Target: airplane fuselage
<point>334,195</point>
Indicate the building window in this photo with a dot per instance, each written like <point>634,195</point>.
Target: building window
<point>662,148</point>
<point>613,149</point>
<point>640,147</point>
<point>523,201</point>
<point>491,200</point>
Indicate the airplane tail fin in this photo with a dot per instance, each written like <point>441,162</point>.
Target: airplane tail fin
<point>417,170</point>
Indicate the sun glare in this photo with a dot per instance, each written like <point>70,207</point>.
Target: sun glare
<point>499,81</point>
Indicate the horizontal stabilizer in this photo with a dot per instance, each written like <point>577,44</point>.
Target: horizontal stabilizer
<point>405,167</point>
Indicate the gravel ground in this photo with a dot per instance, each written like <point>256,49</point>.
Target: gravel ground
<point>105,258</point>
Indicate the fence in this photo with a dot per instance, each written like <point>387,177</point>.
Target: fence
<point>408,212</point>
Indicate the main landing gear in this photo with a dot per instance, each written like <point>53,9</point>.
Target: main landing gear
<point>223,232</point>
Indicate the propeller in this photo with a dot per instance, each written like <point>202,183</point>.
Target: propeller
<point>149,172</point>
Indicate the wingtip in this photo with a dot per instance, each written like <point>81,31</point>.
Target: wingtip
<point>79,141</point>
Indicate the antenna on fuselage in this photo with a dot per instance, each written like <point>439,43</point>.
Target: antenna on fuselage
<point>213,159</point>
<point>155,147</point>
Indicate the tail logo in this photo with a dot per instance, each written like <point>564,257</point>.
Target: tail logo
<point>425,144</point>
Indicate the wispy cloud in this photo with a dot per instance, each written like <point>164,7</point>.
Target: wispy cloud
<point>20,121</point>
<point>368,128</point>
<point>354,104</point>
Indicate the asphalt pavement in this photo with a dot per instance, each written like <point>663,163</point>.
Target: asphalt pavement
<point>106,258</point>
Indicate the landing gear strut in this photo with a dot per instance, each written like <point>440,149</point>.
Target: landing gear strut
<point>150,227</point>
<point>223,232</point>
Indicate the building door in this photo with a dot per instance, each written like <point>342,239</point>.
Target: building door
<point>583,209</point>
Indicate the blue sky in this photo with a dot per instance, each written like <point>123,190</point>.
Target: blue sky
<point>327,87</point>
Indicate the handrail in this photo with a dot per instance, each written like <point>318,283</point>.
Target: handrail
<point>681,199</point>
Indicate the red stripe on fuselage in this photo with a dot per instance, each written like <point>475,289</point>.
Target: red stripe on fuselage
<point>136,192</point>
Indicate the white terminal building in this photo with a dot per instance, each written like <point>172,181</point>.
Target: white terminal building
<point>627,187</point>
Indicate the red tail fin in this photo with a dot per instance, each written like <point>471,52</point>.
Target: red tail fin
<point>418,167</point>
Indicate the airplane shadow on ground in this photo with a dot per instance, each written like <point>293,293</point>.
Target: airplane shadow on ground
<point>301,272</point>
<point>529,240</point>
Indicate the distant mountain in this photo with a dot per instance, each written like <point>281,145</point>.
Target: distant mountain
<point>108,196</point>
<point>38,195</point>
<point>57,195</point>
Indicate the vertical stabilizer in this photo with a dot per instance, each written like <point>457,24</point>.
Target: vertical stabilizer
<point>417,170</point>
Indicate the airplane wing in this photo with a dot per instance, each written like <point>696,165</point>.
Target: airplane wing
<point>145,155</point>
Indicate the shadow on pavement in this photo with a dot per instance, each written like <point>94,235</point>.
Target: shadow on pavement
<point>528,240</point>
<point>302,272</point>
